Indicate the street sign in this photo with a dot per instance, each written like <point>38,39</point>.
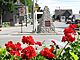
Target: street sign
<point>21,11</point>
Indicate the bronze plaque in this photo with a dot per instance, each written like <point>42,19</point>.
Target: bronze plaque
<point>47,23</point>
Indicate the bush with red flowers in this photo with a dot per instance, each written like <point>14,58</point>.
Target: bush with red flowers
<point>73,26</point>
<point>47,53</point>
<point>69,33</point>
<point>28,53</point>
<point>71,51</point>
<point>13,49</point>
<point>28,40</point>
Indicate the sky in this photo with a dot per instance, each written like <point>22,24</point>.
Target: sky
<point>63,4</point>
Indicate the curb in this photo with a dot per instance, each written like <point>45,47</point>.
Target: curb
<point>31,33</point>
<point>19,33</point>
<point>36,34</point>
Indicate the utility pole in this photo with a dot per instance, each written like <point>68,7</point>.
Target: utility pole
<point>1,19</point>
<point>26,12</point>
<point>33,16</point>
<point>59,14</point>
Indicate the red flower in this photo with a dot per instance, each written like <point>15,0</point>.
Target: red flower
<point>28,52</point>
<point>51,49</point>
<point>13,49</point>
<point>53,42</point>
<point>38,43</point>
<point>69,31</point>
<point>73,26</point>
<point>10,46</point>
<point>24,39</point>
<point>68,38</point>
<point>46,52</point>
<point>18,46</point>
<point>28,40</point>
<point>13,52</point>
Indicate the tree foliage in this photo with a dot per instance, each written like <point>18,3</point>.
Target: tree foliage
<point>6,5</point>
<point>28,3</point>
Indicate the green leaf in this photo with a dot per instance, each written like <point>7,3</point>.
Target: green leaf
<point>74,56</point>
<point>58,51</point>
<point>3,51</point>
<point>12,57</point>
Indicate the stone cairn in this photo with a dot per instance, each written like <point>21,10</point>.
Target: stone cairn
<point>45,22</point>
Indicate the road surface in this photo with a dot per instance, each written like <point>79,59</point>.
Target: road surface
<point>11,34</point>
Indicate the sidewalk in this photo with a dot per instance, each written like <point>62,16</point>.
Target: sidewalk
<point>59,27</point>
<point>16,29</point>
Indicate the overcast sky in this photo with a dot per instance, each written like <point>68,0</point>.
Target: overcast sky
<point>63,4</point>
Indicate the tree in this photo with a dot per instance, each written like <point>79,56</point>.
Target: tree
<point>27,3</point>
<point>6,5</point>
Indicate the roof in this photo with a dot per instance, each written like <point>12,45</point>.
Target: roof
<point>18,3</point>
<point>62,11</point>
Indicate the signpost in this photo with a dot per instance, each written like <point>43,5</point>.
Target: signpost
<point>21,16</point>
<point>36,22</point>
<point>26,8</point>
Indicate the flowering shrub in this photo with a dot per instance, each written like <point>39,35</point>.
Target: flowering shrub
<point>28,53</point>
<point>73,26</point>
<point>47,53</point>
<point>71,51</point>
<point>68,38</point>
<point>69,33</point>
<point>13,49</point>
<point>28,40</point>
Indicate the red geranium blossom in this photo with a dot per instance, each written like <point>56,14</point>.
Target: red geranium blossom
<point>53,42</point>
<point>51,49</point>
<point>13,52</point>
<point>13,49</point>
<point>68,30</point>
<point>38,43</point>
<point>73,26</point>
<point>10,46</point>
<point>28,52</point>
<point>18,46</point>
<point>47,53</point>
<point>68,38</point>
<point>28,40</point>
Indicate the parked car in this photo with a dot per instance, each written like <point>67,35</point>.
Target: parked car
<point>77,21</point>
<point>73,22</point>
<point>68,22</point>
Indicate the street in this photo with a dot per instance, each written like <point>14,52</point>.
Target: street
<point>13,34</point>
<point>17,38</point>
